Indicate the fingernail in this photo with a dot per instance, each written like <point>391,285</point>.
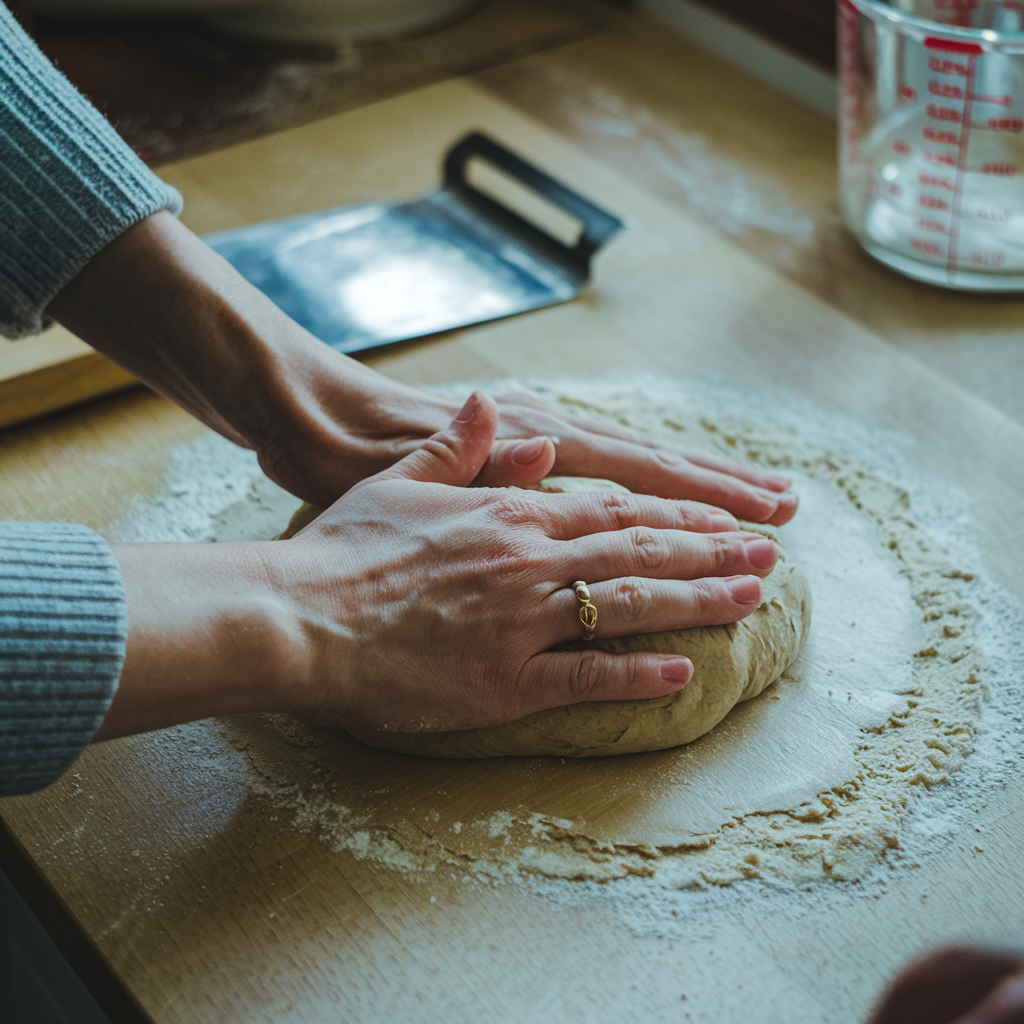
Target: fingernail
<point>744,589</point>
<point>783,483</point>
<point>528,452</point>
<point>678,670</point>
<point>770,500</point>
<point>469,410</point>
<point>760,552</point>
<point>722,522</point>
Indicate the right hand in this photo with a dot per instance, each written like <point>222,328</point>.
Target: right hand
<point>429,605</point>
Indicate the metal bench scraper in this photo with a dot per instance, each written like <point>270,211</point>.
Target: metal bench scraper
<point>362,276</point>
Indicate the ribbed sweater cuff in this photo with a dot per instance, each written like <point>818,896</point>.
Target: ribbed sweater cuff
<point>63,628</point>
<point>69,184</point>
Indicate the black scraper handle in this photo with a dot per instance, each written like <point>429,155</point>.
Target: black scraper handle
<point>598,224</point>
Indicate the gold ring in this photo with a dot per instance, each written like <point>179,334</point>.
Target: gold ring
<point>588,613</point>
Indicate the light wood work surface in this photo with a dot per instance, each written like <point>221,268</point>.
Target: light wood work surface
<point>760,170</point>
<point>208,908</point>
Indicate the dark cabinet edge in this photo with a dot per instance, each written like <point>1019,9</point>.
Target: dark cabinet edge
<point>67,934</point>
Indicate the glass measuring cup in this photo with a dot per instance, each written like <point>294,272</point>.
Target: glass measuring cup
<point>932,137</point>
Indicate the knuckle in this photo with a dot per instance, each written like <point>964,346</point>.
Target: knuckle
<point>586,676</point>
<point>622,509</point>
<point>723,554</point>
<point>633,598</point>
<point>514,558</point>
<point>695,516</point>
<point>517,397</point>
<point>670,459</point>
<point>516,510</point>
<point>707,596</point>
<point>439,447</point>
<point>648,548</point>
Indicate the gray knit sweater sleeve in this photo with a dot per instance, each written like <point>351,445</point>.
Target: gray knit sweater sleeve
<point>69,184</point>
<point>62,640</point>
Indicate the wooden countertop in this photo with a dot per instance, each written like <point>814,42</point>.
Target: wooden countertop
<point>207,909</point>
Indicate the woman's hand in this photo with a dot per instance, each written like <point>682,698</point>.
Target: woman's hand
<point>388,420</point>
<point>417,603</point>
<point>451,599</point>
<point>162,304</point>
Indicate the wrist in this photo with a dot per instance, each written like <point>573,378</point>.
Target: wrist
<point>208,634</point>
<point>163,305</point>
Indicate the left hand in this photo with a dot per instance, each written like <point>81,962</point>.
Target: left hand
<point>163,305</point>
<point>390,420</point>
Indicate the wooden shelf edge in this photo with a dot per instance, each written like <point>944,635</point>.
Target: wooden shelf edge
<point>55,386</point>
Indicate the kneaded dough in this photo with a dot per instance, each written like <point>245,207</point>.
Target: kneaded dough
<point>731,664</point>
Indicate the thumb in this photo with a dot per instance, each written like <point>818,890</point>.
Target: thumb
<point>455,455</point>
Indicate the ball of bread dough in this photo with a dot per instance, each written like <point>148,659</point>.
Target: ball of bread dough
<point>731,663</point>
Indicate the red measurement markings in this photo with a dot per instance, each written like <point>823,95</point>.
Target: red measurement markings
<point>933,225</point>
<point>908,92</point>
<point>934,181</point>
<point>961,164</point>
<point>954,46</point>
<point>943,113</point>
<point>927,246</point>
<point>942,66</point>
<point>938,135</point>
<point>939,158</point>
<point>849,59</point>
<point>1003,124</point>
<point>932,202</point>
<point>1000,170</point>
<point>901,147</point>
<point>951,92</point>
<point>999,101</point>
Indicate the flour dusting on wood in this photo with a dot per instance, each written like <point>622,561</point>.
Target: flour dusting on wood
<point>832,774</point>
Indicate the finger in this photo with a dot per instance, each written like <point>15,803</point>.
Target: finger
<point>635,604</point>
<point>517,463</point>
<point>557,678</point>
<point>665,554</point>
<point>667,473</point>
<point>788,504</point>
<point>604,428</point>
<point>751,474</point>
<point>455,455</point>
<point>567,516</point>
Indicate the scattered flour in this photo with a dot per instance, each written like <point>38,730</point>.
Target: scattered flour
<point>915,746</point>
<point>716,186</point>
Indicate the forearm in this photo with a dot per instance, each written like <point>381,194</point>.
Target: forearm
<point>162,304</point>
<point>207,635</point>
<point>166,307</point>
